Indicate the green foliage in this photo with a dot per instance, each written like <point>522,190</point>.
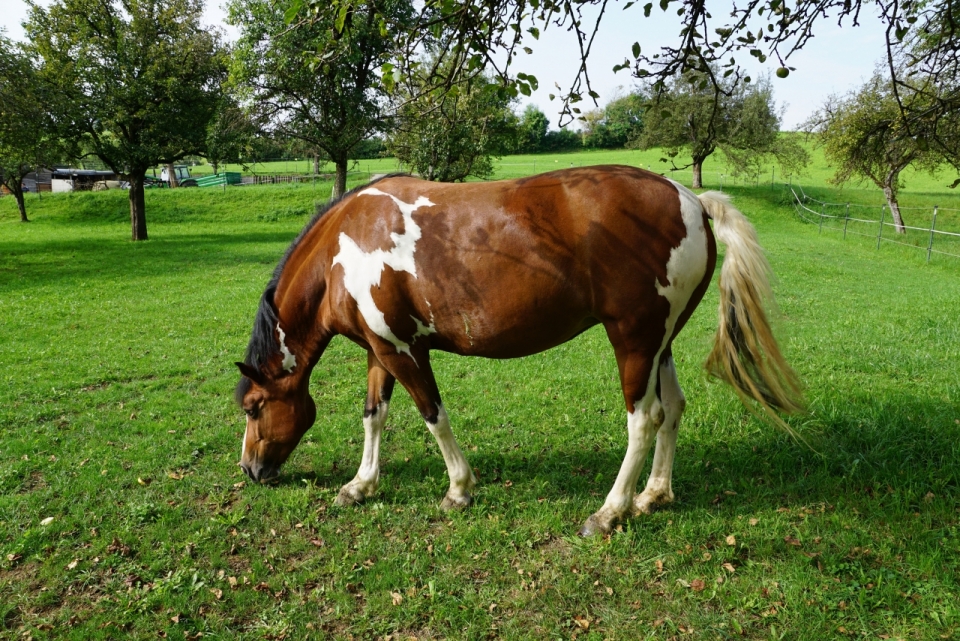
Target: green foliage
<point>137,81</point>
<point>531,130</point>
<point>617,125</point>
<point>867,137</point>
<point>741,119</point>
<point>464,130</point>
<point>28,135</point>
<point>231,135</point>
<point>316,81</point>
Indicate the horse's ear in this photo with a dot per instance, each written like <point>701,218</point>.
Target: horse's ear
<point>250,372</point>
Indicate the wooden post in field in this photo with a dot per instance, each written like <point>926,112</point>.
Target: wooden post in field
<point>846,219</point>
<point>933,225</point>
<point>883,211</point>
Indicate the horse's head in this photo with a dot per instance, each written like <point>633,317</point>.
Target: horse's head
<point>279,412</point>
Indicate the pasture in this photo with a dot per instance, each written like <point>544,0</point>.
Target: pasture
<point>123,513</point>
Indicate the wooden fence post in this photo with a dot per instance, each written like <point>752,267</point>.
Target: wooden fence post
<point>883,211</point>
<point>933,225</point>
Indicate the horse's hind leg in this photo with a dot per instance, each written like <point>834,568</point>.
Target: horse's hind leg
<point>644,416</point>
<point>379,389</point>
<point>659,490</point>
<point>417,377</point>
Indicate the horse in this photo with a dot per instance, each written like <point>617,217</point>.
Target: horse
<point>507,269</point>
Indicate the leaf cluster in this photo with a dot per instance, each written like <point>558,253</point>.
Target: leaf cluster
<point>463,130</point>
<point>138,80</point>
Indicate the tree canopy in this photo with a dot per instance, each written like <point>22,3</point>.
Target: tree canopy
<point>465,129</point>
<point>28,136</point>
<point>317,82</point>
<point>865,135</point>
<point>138,81</point>
<point>689,116</point>
<point>711,37</point>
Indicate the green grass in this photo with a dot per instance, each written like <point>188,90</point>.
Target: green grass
<point>118,423</point>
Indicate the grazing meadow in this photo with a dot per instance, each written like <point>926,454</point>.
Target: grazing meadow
<point>123,513</point>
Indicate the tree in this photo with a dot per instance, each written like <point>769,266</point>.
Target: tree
<point>866,136</point>
<point>616,125</point>
<point>531,130</point>
<point>28,137</point>
<point>317,81</point>
<point>690,116</point>
<point>464,131</point>
<point>139,79</point>
<point>711,37</point>
<point>230,135</point>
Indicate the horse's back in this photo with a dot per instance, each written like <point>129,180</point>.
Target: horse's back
<point>510,268</point>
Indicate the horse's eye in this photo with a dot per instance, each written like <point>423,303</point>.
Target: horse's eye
<point>252,412</point>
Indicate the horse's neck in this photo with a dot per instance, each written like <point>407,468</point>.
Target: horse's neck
<point>298,299</point>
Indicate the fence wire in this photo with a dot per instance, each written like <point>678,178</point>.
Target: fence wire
<point>923,238</point>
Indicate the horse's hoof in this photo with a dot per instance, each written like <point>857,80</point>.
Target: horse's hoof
<point>593,527</point>
<point>349,496</point>
<point>649,503</point>
<point>456,503</point>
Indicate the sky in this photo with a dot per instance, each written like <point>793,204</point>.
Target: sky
<point>835,61</point>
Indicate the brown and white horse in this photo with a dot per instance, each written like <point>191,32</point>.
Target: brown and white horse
<point>507,269</point>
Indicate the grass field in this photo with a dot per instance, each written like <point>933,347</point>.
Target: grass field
<point>123,514</point>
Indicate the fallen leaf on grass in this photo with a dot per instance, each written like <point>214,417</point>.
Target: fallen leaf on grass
<point>175,476</point>
<point>792,541</point>
<point>317,542</point>
<point>47,521</point>
<point>13,558</point>
<point>217,592</point>
<point>232,580</point>
<point>731,540</point>
<point>143,481</point>
<point>754,521</point>
<point>73,564</point>
<point>729,567</point>
<point>582,622</point>
<point>697,585</point>
<point>659,564</point>
<point>397,598</point>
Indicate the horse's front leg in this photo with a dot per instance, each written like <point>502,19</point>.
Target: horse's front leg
<point>379,389</point>
<point>415,374</point>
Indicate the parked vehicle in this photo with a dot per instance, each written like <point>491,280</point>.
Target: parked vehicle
<point>182,172</point>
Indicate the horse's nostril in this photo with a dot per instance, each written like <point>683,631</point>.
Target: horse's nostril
<point>248,472</point>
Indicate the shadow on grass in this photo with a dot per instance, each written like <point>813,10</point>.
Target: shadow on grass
<point>892,454</point>
<point>56,261</point>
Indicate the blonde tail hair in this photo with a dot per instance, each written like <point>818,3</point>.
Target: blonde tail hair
<point>745,353</point>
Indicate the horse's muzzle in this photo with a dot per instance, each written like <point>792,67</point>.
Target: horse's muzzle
<point>260,473</point>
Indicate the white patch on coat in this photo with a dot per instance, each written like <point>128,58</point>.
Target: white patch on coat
<point>362,270</point>
<point>289,360</point>
<point>687,264</point>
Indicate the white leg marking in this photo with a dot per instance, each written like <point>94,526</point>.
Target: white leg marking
<point>642,426</point>
<point>365,483</point>
<point>659,488</point>
<point>362,270</point>
<point>462,480</point>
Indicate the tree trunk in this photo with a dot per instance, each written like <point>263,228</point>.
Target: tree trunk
<point>340,181</point>
<point>316,164</point>
<point>138,219</point>
<point>215,166</point>
<point>890,191</point>
<point>172,176</point>
<point>17,189</point>
<point>697,174</point>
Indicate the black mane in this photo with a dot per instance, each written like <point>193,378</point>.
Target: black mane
<point>263,341</point>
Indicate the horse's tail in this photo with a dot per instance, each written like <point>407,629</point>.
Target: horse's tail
<point>745,353</point>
